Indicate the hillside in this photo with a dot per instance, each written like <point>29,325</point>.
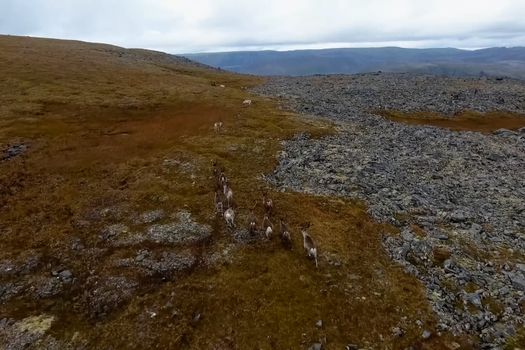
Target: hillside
<point>107,225</point>
<point>111,238</point>
<point>452,62</point>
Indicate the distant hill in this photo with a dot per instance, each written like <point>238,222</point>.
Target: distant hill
<point>447,61</point>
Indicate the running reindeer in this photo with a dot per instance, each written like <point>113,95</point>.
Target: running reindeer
<point>228,192</point>
<point>219,206</point>
<point>217,172</point>
<point>222,184</point>
<point>267,227</point>
<point>217,126</point>
<point>286,239</point>
<point>222,179</point>
<point>308,244</point>
<point>252,227</point>
<point>267,203</point>
<point>229,217</point>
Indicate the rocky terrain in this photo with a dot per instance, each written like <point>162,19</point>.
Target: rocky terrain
<point>458,198</point>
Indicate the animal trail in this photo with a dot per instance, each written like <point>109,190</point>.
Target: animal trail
<point>224,206</point>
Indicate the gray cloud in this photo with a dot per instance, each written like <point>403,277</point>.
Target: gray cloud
<point>211,25</point>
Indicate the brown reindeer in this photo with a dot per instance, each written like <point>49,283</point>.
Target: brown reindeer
<point>267,203</point>
<point>286,238</point>
<point>309,245</point>
<point>219,207</point>
<point>252,222</point>
<point>223,180</point>
<point>218,173</point>
<point>228,193</point>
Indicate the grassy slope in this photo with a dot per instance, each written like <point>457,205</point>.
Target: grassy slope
<point>100,122</point>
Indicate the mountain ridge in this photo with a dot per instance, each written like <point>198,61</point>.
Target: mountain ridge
<point>495,61</point>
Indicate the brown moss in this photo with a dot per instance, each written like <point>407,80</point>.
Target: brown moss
<point>440,254</point>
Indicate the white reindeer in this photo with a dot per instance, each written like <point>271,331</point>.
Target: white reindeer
<point>268,227</point>
<point>247,102</point>
<point>309,246</point>
<point>229,217</point>
<point>228,192</point>
<point>217,126</point>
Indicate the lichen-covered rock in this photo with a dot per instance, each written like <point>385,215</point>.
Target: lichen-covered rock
<point>104,294</point>
<point>185,230</point>
<point>465,190</point>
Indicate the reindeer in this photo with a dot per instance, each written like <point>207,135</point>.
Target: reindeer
<point>217,126</point>
<point>220,179</point>
<point>286,239</point>
<point>228,192</point>
<point>267,203</point>
<point>216,175</point>
<point>219,207</point>
<point>229,217</point>
<point>223,180</point>
<point>247,102</point>
<point>268,227</point>
<point>253,224</point>
<point>310,247</point>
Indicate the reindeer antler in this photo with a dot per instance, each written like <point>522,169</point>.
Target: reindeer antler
<point>305,225</point>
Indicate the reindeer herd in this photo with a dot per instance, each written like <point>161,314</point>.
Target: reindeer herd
<point>225,207</point>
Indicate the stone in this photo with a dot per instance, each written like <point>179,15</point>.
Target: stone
<point>66,275</point>
<point>473,298</point>
<point>475,229</point>
<point>458,216</point>
<point>14,151</point>
<point>426,334</point>
<point>151,216</point>
<point>186,230</point>
<point>398,332</point>
<point>518,281</point>
<point>316,346</point>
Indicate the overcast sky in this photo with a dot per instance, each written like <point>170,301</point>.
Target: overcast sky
<point>180,26</point>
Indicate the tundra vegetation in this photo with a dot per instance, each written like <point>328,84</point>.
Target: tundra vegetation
<point>108,224</point>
